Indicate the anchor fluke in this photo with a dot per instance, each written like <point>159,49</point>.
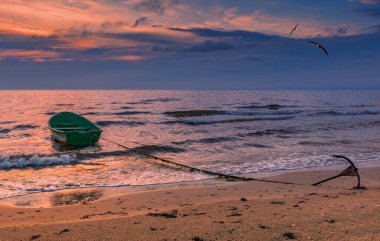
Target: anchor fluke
<point>352,170</point>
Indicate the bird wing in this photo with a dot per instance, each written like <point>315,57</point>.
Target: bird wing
<point>324,50</point>
<point>294,29</point>
<point>312,42</point>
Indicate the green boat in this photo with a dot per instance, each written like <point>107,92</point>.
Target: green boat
<point>74,129</point>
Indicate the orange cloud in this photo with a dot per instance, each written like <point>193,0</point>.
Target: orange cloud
<point>35,55</point>
<point>129,58</point>
<point>263,22</point>
<point>40,16</point>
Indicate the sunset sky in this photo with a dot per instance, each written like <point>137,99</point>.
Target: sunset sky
<point>195,44</point>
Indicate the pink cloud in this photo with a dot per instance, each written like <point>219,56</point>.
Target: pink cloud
<point>34,55</point>
<point>129,58</point>
<point>260,21</point>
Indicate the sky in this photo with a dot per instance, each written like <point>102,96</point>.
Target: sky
<point>194,44</point>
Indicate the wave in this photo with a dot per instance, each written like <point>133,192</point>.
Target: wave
<point>206,140</point>
<point>200,122</point>
<point>144,149</point>
<point>126,107</point>
<point>290,162</point>
<point>289,112</point>
<point>316,143</point>
<point>375,123</point>
<point>7,122</point>
<point>199,113</point>
<point>5,131</point>
<point>149,101</point>
<point>194,113</point>
<point>358,106</point>
<point>344,113</point>
<point>18,127</point>
<point>35,161</point>
<point>251,134</point>
<point>270,132</point>
<point>14,137</point>
<point>313,143</point>
<point>162,100</point>
<point>123,123</point>
<point>257,145</point>
<point>90,113</point>
<point>269,107</point>
<point>65,104</point>
<point>131,113</point>
<point>50,113</point>
<point>25,127</point>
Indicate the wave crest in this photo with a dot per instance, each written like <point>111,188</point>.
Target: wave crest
<point>18,162</point>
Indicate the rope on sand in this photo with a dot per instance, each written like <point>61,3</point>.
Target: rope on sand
<point>226,177</point>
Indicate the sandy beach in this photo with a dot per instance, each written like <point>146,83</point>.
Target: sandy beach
<point>211,210</point>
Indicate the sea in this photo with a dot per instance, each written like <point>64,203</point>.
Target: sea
<point>232,132</point>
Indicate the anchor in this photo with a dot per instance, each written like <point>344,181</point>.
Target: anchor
<point>352,170</point>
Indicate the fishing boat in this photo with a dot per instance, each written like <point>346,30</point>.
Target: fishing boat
<point>73,129</point>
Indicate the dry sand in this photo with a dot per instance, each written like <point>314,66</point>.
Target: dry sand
<point>212,210</point>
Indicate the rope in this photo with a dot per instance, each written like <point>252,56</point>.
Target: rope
<point>194,169</point>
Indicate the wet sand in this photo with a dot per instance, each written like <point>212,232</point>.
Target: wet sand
<point>213,210</point>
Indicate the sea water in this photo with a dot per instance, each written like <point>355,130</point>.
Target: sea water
<point>234,132</point>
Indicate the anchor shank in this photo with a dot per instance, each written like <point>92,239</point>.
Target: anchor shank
<point>328,179</point>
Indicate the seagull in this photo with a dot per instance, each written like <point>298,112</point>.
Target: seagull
<point>319,46</point>
<point>294,29</point>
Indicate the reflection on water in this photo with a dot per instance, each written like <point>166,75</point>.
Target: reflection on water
<point>227,131</point>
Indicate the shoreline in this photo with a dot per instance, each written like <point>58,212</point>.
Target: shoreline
<point>112,191</point>
<point>210,211</point>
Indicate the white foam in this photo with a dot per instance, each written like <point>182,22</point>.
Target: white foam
<point>290,162</point>
<point>9,162</point>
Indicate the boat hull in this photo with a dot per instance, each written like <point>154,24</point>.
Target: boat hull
<point>77,138</point>
<point>74,129</point>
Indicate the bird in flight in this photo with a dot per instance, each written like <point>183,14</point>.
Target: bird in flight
<point>319,46</point>
<point>294,29</point>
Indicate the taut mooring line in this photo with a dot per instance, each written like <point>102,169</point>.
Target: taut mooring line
<point>194,169</point>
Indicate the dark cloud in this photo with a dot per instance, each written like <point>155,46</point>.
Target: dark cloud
<point>141,37</point>
<point>367,7</point>
<point>76,4</point>
<point>373,12</point>
<point>82,31</point>
<point>157,6</point>
<point>158,48</point>
<point>366,2</point>
<point>372,29</point>
<point>203,47</point>
<point>141,21</point>
<point>208,46</point>
<point>340,31</point>
<point>97,51</point>
<point>10,41</point>
<point>111,25</point>
<point>208,32</point>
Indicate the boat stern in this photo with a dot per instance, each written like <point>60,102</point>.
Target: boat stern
<point>83,137</point>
